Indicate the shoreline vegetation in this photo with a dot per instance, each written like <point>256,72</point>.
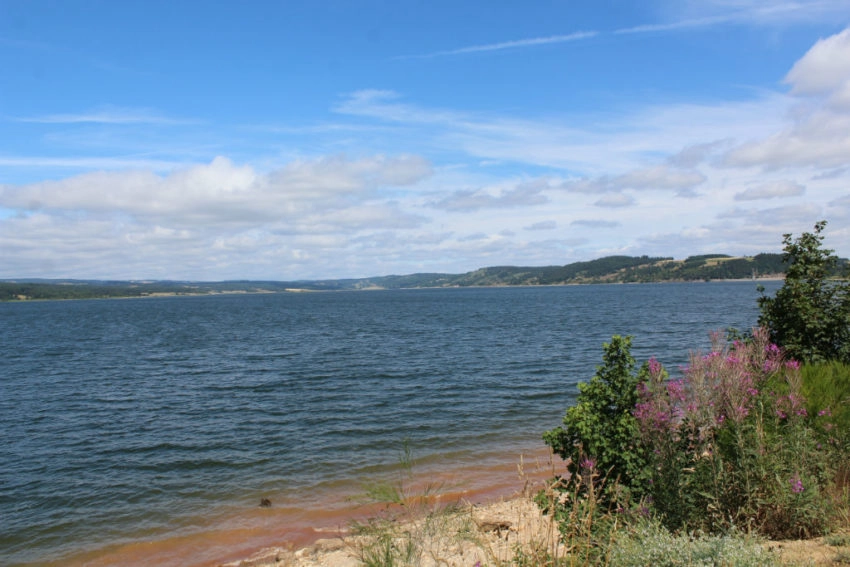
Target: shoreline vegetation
<point>414,519</point>
<point>611,269</point>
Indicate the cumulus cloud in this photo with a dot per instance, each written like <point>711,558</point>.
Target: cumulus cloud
<point>211,220</point>
<point>220,192</point>
<point>819,135</point>
<point>772,190</point>
<point>824,69</point>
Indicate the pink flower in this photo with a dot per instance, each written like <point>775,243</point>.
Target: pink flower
<point>654,366</point>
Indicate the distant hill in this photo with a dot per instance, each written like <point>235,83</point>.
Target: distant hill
<point>611,269</point>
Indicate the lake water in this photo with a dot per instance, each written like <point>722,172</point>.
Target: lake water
<point>126,422</point>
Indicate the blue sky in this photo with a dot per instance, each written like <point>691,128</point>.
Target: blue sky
<point>289,140</point>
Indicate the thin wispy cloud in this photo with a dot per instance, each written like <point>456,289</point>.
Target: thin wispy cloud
<point>706,14</point>
<point>88,162</point>
<point>107,116</point>
<point>683,24</point>
<point>519,43</point>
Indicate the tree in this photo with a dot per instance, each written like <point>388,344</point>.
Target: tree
<point>600,431</point>
<point>810,314</point>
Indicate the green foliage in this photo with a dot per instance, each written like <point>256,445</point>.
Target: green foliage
<point>600,432</point>
<point>810,315</point>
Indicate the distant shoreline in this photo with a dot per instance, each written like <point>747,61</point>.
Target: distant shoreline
<point>608,270</point>
<point>57,288</point>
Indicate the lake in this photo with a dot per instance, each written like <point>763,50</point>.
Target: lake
<point>126,422</point>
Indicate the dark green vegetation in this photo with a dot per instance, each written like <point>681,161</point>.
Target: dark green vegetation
<point>810,315</point>
<point>599,431</point>
<point>748,438</point>
<point>612,269</point>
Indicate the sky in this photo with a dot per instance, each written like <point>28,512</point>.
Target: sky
<point>315,139</point>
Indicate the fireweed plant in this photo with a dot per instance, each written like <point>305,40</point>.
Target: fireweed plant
<point>728,445</point>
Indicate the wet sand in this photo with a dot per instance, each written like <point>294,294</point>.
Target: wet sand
<point>297,521</point>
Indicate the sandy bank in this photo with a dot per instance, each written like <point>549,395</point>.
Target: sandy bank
<point>463,536</point>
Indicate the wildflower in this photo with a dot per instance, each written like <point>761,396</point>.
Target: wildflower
<point>796,484</point>
<point>825,411</point>
<point>654,366</point>
<point>588,464</point>
<point>792,365</point>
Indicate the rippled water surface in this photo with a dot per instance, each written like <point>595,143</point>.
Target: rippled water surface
<point>122,420</point>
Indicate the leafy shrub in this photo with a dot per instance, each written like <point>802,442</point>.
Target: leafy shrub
<point>810,315</point>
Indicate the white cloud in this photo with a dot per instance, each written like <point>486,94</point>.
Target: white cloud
<point>616,200</point>
<point>824,69</point>
<point>543,225</point>
<point>208,221</point>
<point>221,192</point>
<point>513,195</point>
<point>771,191</point>
<point>658,178</point>
<point>819,134</point>
<point>595,223</point>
